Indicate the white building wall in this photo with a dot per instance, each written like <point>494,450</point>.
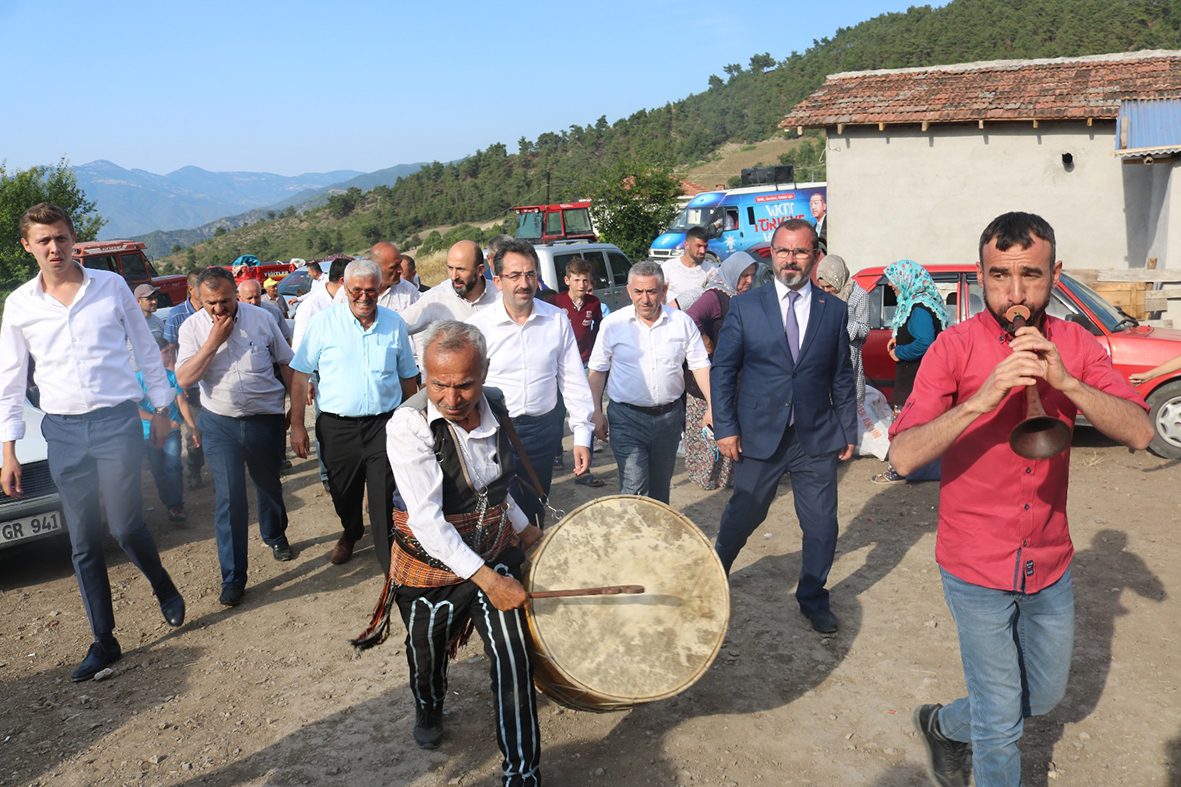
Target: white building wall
<point>903,193</point>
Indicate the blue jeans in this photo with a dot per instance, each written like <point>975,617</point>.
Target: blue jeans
<point>1016,650</point>
<point>232,446</point>
<point>103,451</point>
<point>645,448</point>
<point>168,470</point>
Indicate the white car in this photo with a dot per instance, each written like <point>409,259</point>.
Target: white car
<point>37,512</point>
<point>609,267</point>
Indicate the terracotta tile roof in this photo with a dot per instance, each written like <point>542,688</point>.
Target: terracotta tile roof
<point>1077,88</point>
<point>691,189</point>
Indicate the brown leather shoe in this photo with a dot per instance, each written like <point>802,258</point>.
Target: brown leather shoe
<point>342,552</point>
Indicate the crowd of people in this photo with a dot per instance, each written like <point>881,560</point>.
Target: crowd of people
<point>441,411</point>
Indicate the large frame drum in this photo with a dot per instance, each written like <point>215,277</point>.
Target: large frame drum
<point>604,653</point>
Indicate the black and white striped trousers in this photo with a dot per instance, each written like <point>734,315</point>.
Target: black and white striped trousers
<point>433,617</point>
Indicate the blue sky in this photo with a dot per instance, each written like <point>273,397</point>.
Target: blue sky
<point>292,87</point>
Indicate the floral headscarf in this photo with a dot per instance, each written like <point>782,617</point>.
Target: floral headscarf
<point>915,286</point>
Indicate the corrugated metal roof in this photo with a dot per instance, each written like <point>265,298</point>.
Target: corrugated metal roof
<point>1148,127</point>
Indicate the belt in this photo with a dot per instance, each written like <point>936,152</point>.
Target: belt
<point>123,408</point>
<point>355,417</point>
<point>659,409</point>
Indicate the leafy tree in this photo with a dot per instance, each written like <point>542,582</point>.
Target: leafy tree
<point>21,190</point>
<point>220,229</point>
<point>270,215</point>
<point>632,203</point>
<point>715,82</point>
<point>732,70</point>
<point>175,248</point>
<point>760,63</point>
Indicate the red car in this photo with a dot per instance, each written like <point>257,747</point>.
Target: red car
<point>1133,347</point>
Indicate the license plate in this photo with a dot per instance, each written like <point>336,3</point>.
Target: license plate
<point>30,527</point>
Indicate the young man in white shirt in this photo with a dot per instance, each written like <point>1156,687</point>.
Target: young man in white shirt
<point>690,270</point>
<point>75,325</point>
<point>643,347</point>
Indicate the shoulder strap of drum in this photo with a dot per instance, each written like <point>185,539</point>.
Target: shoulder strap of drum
<point>507,425</point>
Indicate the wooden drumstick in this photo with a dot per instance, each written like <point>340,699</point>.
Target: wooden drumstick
<point>609,590</point>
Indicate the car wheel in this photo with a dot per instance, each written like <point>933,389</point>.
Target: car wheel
<point>1165,411</point>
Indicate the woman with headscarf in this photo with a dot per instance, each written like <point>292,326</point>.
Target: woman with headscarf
<point>918,318</point>
<point>833,277</point>
<point>706,467</point>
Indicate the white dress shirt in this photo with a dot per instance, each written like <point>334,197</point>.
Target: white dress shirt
<point>645,361</point>
<point>442,303</point>
<point>803,306</point>
<point>317,301</point>
<point>81,351</point>
<point>240,380</point>
<point>410,445</point>
<point>529,362</point>
<point>397,297</point>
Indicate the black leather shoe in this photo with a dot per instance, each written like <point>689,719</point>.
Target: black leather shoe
<point>99,657</point>
<point>283,552</point>
<point>428,728</point>
<point>948,762</point>
<point>824,621</point>
<point>174,611</point>
<point>232,595</point>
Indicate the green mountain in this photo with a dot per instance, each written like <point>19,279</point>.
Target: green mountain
<point>746,107</point>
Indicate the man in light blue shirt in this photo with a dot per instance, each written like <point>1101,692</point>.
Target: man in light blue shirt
<point>366,364</point>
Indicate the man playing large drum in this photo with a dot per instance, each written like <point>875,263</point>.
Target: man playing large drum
<point>459,544</point>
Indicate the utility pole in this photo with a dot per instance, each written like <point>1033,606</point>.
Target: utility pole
<point>547,187</point>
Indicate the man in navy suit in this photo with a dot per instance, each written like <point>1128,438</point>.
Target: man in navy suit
<point>794,410</point>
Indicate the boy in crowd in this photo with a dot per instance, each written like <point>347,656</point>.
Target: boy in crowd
<point>586,314</point>
<point>165,461</point>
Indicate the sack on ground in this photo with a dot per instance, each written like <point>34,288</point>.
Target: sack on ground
<point>874,417</point>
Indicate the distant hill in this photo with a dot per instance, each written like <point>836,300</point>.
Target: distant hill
<point>135,201</point>
<point>162,242</point>
<point>745,108</point>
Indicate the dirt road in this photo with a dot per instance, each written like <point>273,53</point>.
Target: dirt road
<point>270,693</point>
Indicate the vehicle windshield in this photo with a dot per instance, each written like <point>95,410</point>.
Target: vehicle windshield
<point>695,217</point>
<point>294,283</point>
<point>1108,315</point>
<point>529,225</point>
<point>577,221</point>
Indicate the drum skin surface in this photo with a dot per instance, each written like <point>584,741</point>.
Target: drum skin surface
<point>603,653</point>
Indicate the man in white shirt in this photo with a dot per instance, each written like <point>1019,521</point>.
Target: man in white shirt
<point>458,545</point>
<point>532,355</point>
<point>690,270</point>
<point>643,347</point>
<point>231,349</point>
<point>396,292</point>
<point>316,275</point>
<point>75,325</point>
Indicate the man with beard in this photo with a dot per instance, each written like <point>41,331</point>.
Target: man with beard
<point>690,270</point>
<point>1005,559</point>
<point>465,292</point>
<point>794,410</point>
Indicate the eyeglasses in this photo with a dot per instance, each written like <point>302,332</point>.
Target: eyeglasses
<point>358,293</point>
<point>516,276</point>
<point>783,251</point>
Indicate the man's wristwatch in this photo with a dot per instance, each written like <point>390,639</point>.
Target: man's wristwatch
<point>162,410</point>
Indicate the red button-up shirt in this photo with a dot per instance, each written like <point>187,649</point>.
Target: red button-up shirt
<point>1002,519</point>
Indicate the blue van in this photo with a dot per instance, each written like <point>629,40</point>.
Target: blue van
<point>739,218</point>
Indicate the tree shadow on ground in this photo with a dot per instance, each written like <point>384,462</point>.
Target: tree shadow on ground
<point>1101,573</point>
